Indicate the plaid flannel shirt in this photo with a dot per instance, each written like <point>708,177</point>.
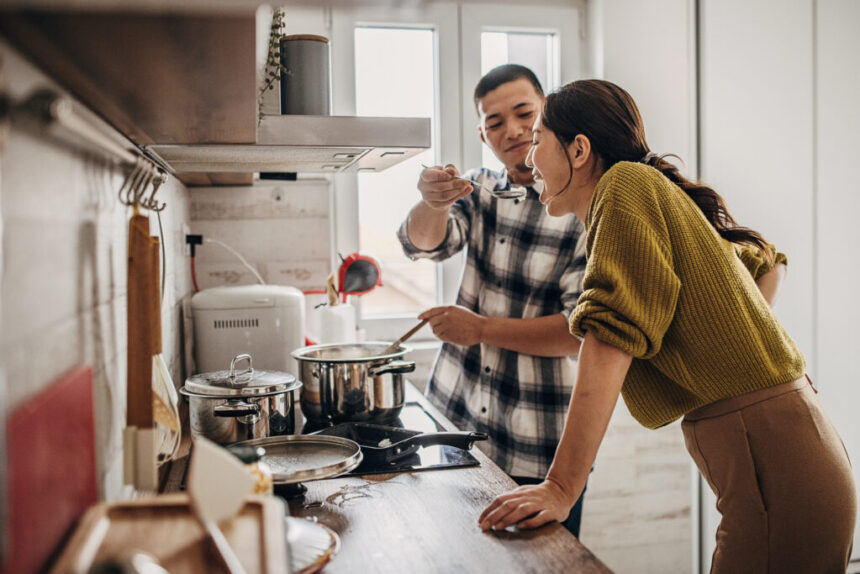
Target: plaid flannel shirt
<point>521,263</point>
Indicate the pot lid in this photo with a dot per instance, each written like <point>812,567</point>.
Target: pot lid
<point>299,458</point>
<point>245,383</point>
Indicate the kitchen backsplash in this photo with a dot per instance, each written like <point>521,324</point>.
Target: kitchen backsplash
<point>63,292</point>
<point>281,228</point>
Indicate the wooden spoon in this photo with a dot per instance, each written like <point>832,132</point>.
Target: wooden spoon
<point>396,344</point>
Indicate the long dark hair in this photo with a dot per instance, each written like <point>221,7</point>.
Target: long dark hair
<point>609,118</point>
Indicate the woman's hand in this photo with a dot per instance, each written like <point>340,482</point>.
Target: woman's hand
<point>601,372</point>
<point>528,507</point>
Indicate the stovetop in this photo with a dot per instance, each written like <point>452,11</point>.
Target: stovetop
<point>416,417</point>
<point>413,417</point>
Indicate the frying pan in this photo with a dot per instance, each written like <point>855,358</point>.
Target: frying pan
<point>382,444</point>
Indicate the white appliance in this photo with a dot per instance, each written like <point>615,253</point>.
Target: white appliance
<point>265,321</point>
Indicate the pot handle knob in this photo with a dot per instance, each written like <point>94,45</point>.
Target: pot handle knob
<point>235,360</point>
<point>395,367</point>
<point>231,409</point>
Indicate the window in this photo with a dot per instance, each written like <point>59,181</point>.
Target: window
<point>394,76</point>
<point>424,61</point>
<point>537,51</point>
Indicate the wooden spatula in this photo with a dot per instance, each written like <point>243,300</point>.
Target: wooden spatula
<point>217,485</point>
<point>139,438</point>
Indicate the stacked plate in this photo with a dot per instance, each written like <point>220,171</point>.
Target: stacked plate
<point>311,544</point>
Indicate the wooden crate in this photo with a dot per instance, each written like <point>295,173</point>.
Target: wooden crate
<point>164,527</point>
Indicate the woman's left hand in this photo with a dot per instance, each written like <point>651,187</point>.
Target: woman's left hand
<point>528,507</point>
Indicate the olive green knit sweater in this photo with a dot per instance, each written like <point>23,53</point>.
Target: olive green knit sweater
<point>662,285</point>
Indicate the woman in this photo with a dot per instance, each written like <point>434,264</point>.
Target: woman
<point>672,319</point>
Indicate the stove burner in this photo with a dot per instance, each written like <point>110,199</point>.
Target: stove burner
<point>415,417</point>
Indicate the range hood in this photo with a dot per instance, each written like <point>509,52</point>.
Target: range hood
<point>306,144</point>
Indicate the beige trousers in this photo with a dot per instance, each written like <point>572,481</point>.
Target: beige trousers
<point>782,479</point>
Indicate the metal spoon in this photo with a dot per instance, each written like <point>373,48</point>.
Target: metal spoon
<point>514,191</point>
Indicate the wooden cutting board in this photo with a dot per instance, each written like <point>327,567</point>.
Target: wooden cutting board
<point>51,465</point>
<point>164,527</point>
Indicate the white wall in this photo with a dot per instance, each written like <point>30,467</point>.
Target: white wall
<point>757,134</point>
<point>63,294</point>
<point>283,229</point>
<point>637,513</point>
<point>780,129</point>
<point>647,50</point>
<point>837,192</point>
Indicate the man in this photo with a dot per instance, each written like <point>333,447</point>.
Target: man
<point>506,366</point>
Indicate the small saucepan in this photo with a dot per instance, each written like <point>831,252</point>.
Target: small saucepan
<point>382,444</point>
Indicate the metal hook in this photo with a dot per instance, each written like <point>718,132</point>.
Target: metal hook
<point>157,181</point>
<point>133,193</point>
<point>144,181</point>
<point>126,196</point>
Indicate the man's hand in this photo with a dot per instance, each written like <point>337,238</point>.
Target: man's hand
<point>453,324</point>
<point>528,507</point>
<point>441,187</point>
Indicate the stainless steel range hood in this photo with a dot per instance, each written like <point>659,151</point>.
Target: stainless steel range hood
<point>306,144</point>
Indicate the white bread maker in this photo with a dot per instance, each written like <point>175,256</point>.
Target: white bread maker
<point>265,321</point>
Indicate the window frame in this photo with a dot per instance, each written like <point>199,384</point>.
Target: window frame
<point>457,39</point>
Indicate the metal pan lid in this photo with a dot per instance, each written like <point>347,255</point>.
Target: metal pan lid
<point>247,383</point>
<point>299,458</point>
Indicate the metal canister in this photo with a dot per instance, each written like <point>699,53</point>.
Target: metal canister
<point>306,83</point>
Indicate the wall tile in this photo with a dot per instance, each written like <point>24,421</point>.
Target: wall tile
<point>63,294</point>
<point>287,200</point>
<point>261,240</point>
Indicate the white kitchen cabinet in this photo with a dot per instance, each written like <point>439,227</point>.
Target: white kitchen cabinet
<point>779,135</point>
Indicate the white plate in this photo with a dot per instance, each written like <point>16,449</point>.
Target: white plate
<point>312,545</point>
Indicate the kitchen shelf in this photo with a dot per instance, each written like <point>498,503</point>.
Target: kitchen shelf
<point>183,88</point>
<point>176,78</point>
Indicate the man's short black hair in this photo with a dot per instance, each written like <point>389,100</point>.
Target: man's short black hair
<point>502,75</point>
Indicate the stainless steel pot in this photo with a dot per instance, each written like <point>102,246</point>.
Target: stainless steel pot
<point>352,382</point>
<point>226,406</point>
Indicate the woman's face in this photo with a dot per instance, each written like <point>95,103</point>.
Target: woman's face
<point>551,166</point>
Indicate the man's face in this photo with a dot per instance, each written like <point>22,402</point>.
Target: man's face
<point>507,114</point>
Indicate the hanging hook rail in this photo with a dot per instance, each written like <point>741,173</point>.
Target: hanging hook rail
<point>66,120</point>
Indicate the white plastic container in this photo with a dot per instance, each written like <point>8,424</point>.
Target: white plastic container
<point>265,321</point>
<point>337,324</point>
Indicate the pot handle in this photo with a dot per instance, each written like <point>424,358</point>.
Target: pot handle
<point>236,409</point>
<point>395,367</point>
<point>235,360</point>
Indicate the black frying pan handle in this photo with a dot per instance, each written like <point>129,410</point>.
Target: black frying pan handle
<point>462,439</point>
<point>406,447</point>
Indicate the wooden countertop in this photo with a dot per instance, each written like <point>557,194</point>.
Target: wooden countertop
<point>427,521</point>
